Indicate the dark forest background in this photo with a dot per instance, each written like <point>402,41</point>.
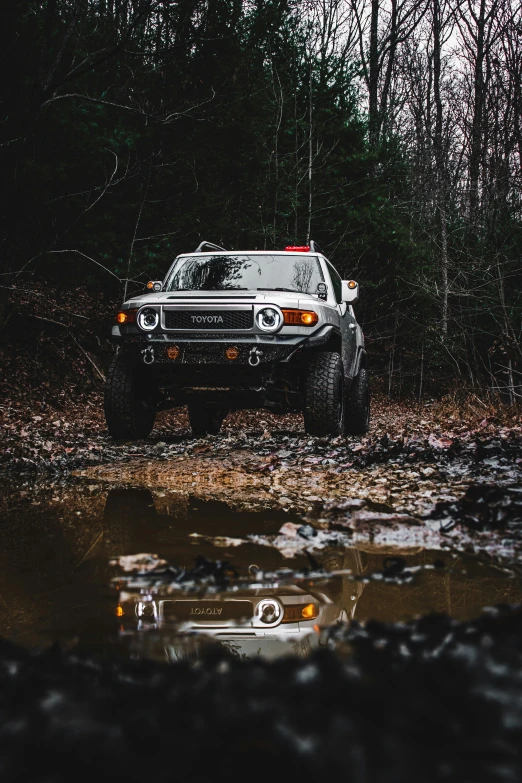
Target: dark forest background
<point>389,131</point>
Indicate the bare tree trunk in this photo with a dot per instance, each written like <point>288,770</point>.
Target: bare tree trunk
<point>510,336</point>
<point>444,268</point>
<point>421,380</point>
<point>310,151</point>
<point>440,167</point>
<point>478,116</point>
<point>278,96</point>
<point>373,74</point>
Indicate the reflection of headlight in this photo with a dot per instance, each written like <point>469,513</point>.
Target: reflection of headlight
<point>148,319</point>
<point>268,611</point>
<point>145,609</point>
<point>269,319</point>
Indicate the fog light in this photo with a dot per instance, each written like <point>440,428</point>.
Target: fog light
<point>173,352</point>
<point>232,353</point>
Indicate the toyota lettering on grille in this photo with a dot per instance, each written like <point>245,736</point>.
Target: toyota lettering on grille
<point>232,319</point>
<point>207,319</point>
<point>207,611</point>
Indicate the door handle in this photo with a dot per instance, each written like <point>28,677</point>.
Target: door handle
<point>352,326</point>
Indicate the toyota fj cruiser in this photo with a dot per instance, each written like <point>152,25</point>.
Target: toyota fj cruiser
<point>228,330</point>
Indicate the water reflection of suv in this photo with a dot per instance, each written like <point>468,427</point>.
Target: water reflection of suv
<point>247,329</point>
<point>248,617</point>
<point>249,621</point>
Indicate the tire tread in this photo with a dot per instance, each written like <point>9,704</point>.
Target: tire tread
<point>321,410</point>
<point>357,405</point>
<point>126,414</point>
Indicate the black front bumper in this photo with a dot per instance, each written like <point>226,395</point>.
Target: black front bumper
<point>204,348</point>
<point>266,373</point>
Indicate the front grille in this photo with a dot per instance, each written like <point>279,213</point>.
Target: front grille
<point>209,319</point>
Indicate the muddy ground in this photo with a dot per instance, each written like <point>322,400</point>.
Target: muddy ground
<point>430,501</point>
<point>437,473</point>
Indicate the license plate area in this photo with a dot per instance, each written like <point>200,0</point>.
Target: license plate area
<point>215,612</point>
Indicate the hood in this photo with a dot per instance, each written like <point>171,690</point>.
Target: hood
<point>213,297</point>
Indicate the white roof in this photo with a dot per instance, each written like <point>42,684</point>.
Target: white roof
<point>254,253</point>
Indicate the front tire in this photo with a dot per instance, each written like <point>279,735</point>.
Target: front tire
<point>205,419</point>
<point>358,405</point>
<point>129,402</point>
<point>324,396</point>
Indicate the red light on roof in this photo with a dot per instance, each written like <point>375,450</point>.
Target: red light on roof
<point>298,248</point>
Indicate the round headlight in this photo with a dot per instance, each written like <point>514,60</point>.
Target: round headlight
<point>269,611</point>
<point>269,319</point>
<point>148,319</point>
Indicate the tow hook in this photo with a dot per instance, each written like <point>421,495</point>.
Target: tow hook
<point>148,355</point>
<point>255,357</point>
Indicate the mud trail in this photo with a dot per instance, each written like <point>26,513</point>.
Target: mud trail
<point>412,482</point>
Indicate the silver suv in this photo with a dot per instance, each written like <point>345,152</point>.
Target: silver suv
<point>228,330</point>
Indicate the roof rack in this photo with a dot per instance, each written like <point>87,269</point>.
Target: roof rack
<point>210,245</point>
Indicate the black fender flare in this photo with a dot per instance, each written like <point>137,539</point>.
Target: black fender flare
<point>361,361</point>
<point>327,334</point>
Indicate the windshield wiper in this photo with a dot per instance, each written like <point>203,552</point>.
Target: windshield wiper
<point>231,288</point>
<point>279,288</point>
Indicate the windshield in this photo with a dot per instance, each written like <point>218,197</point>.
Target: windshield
<point>241,272</point>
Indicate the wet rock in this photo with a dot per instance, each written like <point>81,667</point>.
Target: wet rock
<point>382,519</point>
<point>483,507</point>
<point>306,531</point>
<point>139,564</point>
<point>148,571</point>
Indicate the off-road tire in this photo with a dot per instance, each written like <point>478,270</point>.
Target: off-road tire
<point>205,419</point>
<point>324,396</point>
<point>357,416</point>
<point>129,402</point>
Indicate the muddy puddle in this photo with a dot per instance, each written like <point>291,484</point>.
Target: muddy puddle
<point>212,573</point>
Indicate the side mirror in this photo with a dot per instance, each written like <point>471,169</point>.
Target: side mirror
<point>350,291</point>
<point>155,285</point>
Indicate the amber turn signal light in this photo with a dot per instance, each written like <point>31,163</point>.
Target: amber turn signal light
<point>173,352</point>
<point>300,317</point>
<point>296,612</point>
<point>352,284</point>
<point>126,317</point>
<point>232,353</point>
<point>119,611</point>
